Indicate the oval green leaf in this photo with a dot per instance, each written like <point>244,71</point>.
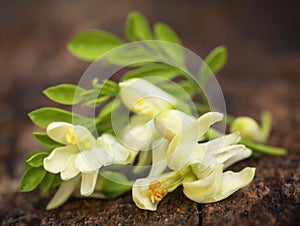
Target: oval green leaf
<point>90,45</point>
<point>67,94</point>
<point>44,116</point>
<point>213,63</point>
<point>36,160</point>
<point>137,27</point>
<point>32,178</point>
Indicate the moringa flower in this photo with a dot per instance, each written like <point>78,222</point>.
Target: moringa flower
<point>144,98</point>
<point>200,183</point>
<point>82,153</point>
<point>198,167</point>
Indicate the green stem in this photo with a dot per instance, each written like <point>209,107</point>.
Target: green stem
<point>264,148</point>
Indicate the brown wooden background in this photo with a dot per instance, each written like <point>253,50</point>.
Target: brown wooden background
<point>263,41</point>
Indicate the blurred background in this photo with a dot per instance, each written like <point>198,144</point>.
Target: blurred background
<point>262,38</point>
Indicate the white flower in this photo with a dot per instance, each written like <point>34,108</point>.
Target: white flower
<point>183,132</point>
<point>144,98</point>
<point>198,167</point>
<point>82,153</point>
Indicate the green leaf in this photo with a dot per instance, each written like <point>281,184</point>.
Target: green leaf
<point>97,102</point>
<point>113,184</point>
<point>90,45</point>
<point>159,70</point>
<point>137,27</point>
<point>136,54</point>
<point>213,63</point>
<point>32,178</point>
<point>44,139</point>
<point>164,32</point>
<point>44,116</point>
<point>36,160</point>
<point>68,94</point>
<point>47,181</point>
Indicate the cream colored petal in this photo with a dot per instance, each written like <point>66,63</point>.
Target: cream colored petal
<point>63,193</point>
<point>142,97</point>
<point>181,149</point>
<point>139,137</point>
<point>206,120</point>
<point>159,157</point>
<point>231,182</point>
<point>84,139</point>
<point>138,120</point>
<point>117,152</point>
<point>205,187</point>
<point>173,122</point>
<point>207,152</point>
<point>70,171</point>
<point>89,161</point>
<point>57,161</point>
<point>214,146</point>
<point>88,182</point>
<point>246,153</point>
<point>140,194</point>
<point>58,130</point>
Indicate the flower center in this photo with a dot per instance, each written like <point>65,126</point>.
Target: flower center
<point>156,192</point>
<point>70,136</point>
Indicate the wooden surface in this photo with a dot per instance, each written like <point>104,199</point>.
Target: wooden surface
<point>263,72</point>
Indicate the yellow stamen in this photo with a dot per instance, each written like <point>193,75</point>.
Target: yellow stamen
<point>155,193</point>
<point>155,184</point>
<point>70,136</point>
<point>158,196</point>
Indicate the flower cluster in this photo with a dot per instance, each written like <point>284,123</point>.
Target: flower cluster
<point>177,157</point>
<point>162,145</point>
<point>170,136</point>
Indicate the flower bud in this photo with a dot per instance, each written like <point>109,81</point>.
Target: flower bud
<point>248,128</point>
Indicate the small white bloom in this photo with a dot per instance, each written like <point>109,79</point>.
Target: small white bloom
<point>197,166</point>
<point>82,153</point>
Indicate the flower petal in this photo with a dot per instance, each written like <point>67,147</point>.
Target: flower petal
<point>173,122</point>
<point>245,153</point>
<point>117,152</point>
<point>181,149</point>
<point>70,171</point>
<point>206,187</point>
<point>84,139</point>
<point>58,130</point>
<point>207,152</point>
<point>140,194</point>
<point>89,161</point>
<point>159,157</point>
<point>88,182</point>
<point>142,97</point>
<point>58,159</point>
<point>231,182</point>
<point>139,137</point>
<point>206,120</point>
